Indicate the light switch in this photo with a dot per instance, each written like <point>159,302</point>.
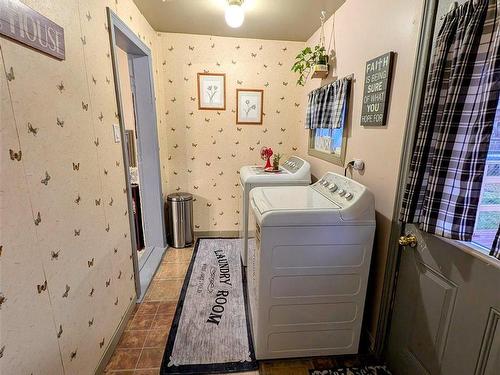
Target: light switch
<point>116,133</point>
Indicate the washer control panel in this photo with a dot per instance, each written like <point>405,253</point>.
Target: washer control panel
<point>339,189</point>
<point>293,164</point>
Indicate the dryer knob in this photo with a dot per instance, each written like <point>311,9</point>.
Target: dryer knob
<point>341,192</point>
<point>348,196</point>
<point>333,187</point>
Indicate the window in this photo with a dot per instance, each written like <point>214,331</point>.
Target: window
<point>328,144</point>
<point>488,214</point>
<point>328,140</point>
<point>326,120</point>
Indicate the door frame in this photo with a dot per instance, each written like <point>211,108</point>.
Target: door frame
<point>421,68</point>
<point>120,33</point>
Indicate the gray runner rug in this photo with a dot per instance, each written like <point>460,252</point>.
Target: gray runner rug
<point>210,333</point>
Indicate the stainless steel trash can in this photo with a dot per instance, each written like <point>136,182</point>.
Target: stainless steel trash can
<point>180,219</point>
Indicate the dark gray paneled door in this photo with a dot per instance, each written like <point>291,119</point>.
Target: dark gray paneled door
<point>446,318</point>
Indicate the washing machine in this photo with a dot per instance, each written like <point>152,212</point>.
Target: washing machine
<point>308,271</point>
<point>294,171</point>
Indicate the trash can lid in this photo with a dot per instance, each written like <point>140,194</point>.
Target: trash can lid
<point>179,197</point>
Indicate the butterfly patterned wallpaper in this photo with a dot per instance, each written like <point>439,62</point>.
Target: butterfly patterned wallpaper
<point>206,148</point>
<point>65,255</point>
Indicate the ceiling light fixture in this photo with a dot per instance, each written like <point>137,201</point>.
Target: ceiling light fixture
<point>235,15</point>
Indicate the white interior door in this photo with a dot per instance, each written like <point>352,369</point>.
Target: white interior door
<point>149,155</point>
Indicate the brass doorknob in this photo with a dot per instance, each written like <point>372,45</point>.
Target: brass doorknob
<point>408,240</point>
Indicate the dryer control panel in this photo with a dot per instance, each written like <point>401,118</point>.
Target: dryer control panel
<point>293,164</point>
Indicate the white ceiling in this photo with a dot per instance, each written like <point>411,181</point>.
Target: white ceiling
<point>264,19</point>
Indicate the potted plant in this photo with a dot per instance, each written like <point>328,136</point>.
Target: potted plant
<point>320,70</point>
<point>276,162</point>
<point>311,59</point>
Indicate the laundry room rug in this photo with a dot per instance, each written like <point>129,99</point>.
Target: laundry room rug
<point>210,332</point>
<point>365,370</point>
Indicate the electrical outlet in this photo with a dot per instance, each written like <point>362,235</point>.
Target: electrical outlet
<point>116,133</point>
<point>358,165</point>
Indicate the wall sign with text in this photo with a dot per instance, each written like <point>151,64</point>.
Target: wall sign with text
<point>376,92</point>
<point>27,26</point>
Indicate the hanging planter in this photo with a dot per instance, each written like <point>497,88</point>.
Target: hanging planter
<point>321,68</point>
<point>313,60</point>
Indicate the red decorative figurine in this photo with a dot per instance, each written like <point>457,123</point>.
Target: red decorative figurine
<point>265,154</point>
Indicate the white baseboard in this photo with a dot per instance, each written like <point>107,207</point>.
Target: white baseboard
<point>217,233</point>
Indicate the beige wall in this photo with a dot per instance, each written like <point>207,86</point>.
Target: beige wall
<point>365,30</point>
<point>206,148</point>
<point>40,331</point>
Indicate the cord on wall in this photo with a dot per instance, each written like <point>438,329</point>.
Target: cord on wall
<point>349,165</point>
<point>356,164</point>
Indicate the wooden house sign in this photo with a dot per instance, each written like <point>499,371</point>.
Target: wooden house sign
<point>376,92</point>
<point>25,25</point>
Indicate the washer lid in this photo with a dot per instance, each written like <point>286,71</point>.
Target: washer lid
<point>294,171</point>
<point>252,173</point>
<point>302,198</point>
<point>258,170</point>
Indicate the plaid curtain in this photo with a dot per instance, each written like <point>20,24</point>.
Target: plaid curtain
<point>326,105</point>
<point>460,101</point>
<point>495,248</point>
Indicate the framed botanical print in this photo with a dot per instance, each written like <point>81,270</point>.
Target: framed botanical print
<point>212,91</point>
<point>249,106</point>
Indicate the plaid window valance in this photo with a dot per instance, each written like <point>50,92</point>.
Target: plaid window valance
<point>460,103</point>
<point>327,105</point>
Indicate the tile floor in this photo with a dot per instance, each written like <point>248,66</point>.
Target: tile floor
<point>140,349</point>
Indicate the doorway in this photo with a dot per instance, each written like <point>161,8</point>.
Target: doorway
<point>441,304</point>
<point>132,68</point>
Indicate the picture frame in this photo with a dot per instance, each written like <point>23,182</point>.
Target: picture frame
<point>377,90</point>
<point>212,91</point>
<point>249,106</point>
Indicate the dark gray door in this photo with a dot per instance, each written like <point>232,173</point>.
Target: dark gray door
<point>446,315</point>
<point>446,318</point>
